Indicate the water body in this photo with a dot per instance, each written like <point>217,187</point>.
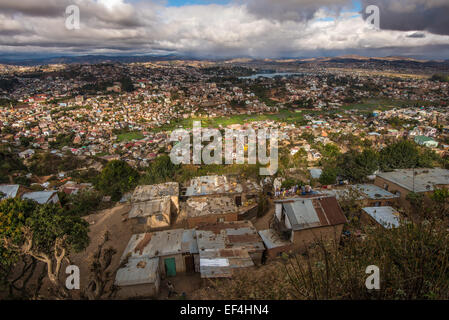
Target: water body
<point>271,75</point>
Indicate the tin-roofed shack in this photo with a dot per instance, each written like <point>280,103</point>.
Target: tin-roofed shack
<point>245,193</point>
<point>42,197</point>
<point>138,278</point>
<point>154,206</point>
<point>304,221</point>
<point>175,248</point>
<point>368,195</point>
<point>197,211</point>
<point>9,191</point>
<point>404,181</point>
<point>386,217</point>
<point>226,246</point>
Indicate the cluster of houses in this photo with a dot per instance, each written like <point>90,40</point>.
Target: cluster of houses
<point>207,227</point>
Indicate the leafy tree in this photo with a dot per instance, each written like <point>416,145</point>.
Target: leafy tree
<point>328,176</point>
<point>116,178</point>
<point>81,204</point>
<point>400,155</point>
<point>9,163</point>
<point>356,166</point>
<point>160,170</point>
<point>42,232</point>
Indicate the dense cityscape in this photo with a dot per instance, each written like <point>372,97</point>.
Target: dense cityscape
<point>93,205</point>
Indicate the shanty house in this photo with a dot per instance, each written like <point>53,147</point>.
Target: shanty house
<point>387,217</point>
<point>208,210</point>
<point>227,246</point>
<point>368,195</point>
<point>304,221</point>
<point>404,181</point>
<point>42,197</point>
<point>154,206</point>
<point>139,278</point>
<point>10,191</point>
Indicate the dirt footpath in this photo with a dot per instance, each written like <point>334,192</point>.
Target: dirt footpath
<point>120,232</point>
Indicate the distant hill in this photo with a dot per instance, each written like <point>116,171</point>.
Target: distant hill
<point>95,59</point>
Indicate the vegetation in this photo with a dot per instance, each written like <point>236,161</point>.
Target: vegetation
<point>413,260</point>
<point>81,204</point>
<point>129,136</point>
<point>160,170</point>
<point>43,164</point>
<point>9,164</point>
<point>44,233</point>
<point>116,178</point>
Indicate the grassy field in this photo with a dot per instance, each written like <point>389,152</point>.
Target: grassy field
<point>289,116</point>
<point>370,105</point>
<point>129,136</point>
<point>284,115</point>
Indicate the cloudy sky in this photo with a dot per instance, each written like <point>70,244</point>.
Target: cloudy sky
<point>225,28</point>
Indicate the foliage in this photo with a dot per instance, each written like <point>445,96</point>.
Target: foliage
<point>413,261</point>
<point>160,170</point>
<point>82,203</point>
<point>62,140</point>
<point>43,232</point>
<point>356,166</point>
<point>400,155</point>
<point>116,178</point>
<point>440,198</point>
<point>328,176</point>
<point>42,164</point>
<point>288,183</point>
<point>9,163</point>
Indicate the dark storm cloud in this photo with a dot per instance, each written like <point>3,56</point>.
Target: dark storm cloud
<point>125,15</point>
<point>410,15</point>
<point>416,35</point>
<point>296,10</point>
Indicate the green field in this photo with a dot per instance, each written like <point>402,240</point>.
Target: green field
<point>283,115</point>
<point>370,105</point>
<point>129,136</point>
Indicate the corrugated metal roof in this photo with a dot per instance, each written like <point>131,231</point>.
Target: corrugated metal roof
<point>203,206</point>
<point>305,213</point>
<point>225,246</point>
<point>10,190</point>
<point>333,211</point>
<point>138,271</point>
<point>161,243</point>
<point>150,208</point>
<point>272,240</point>
<point>363,191</point>
<point>388,217</point>
<point>301,214</point>
<point>424,179</point>
<point>150,192</point>
<point>40,197</point>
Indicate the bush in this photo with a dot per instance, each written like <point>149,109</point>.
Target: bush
<point>116,178</point>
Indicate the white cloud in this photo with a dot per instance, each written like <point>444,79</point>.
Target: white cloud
<point>202,30</point>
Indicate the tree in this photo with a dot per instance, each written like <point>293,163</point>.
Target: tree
<point>160,170</point>
<point>328,176</point>
<point>116,178</point>
<point>44,233</point>
<point>356,166</point>
<point>400,155</point>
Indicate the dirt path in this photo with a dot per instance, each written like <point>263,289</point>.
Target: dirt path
<point>120,232</point>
